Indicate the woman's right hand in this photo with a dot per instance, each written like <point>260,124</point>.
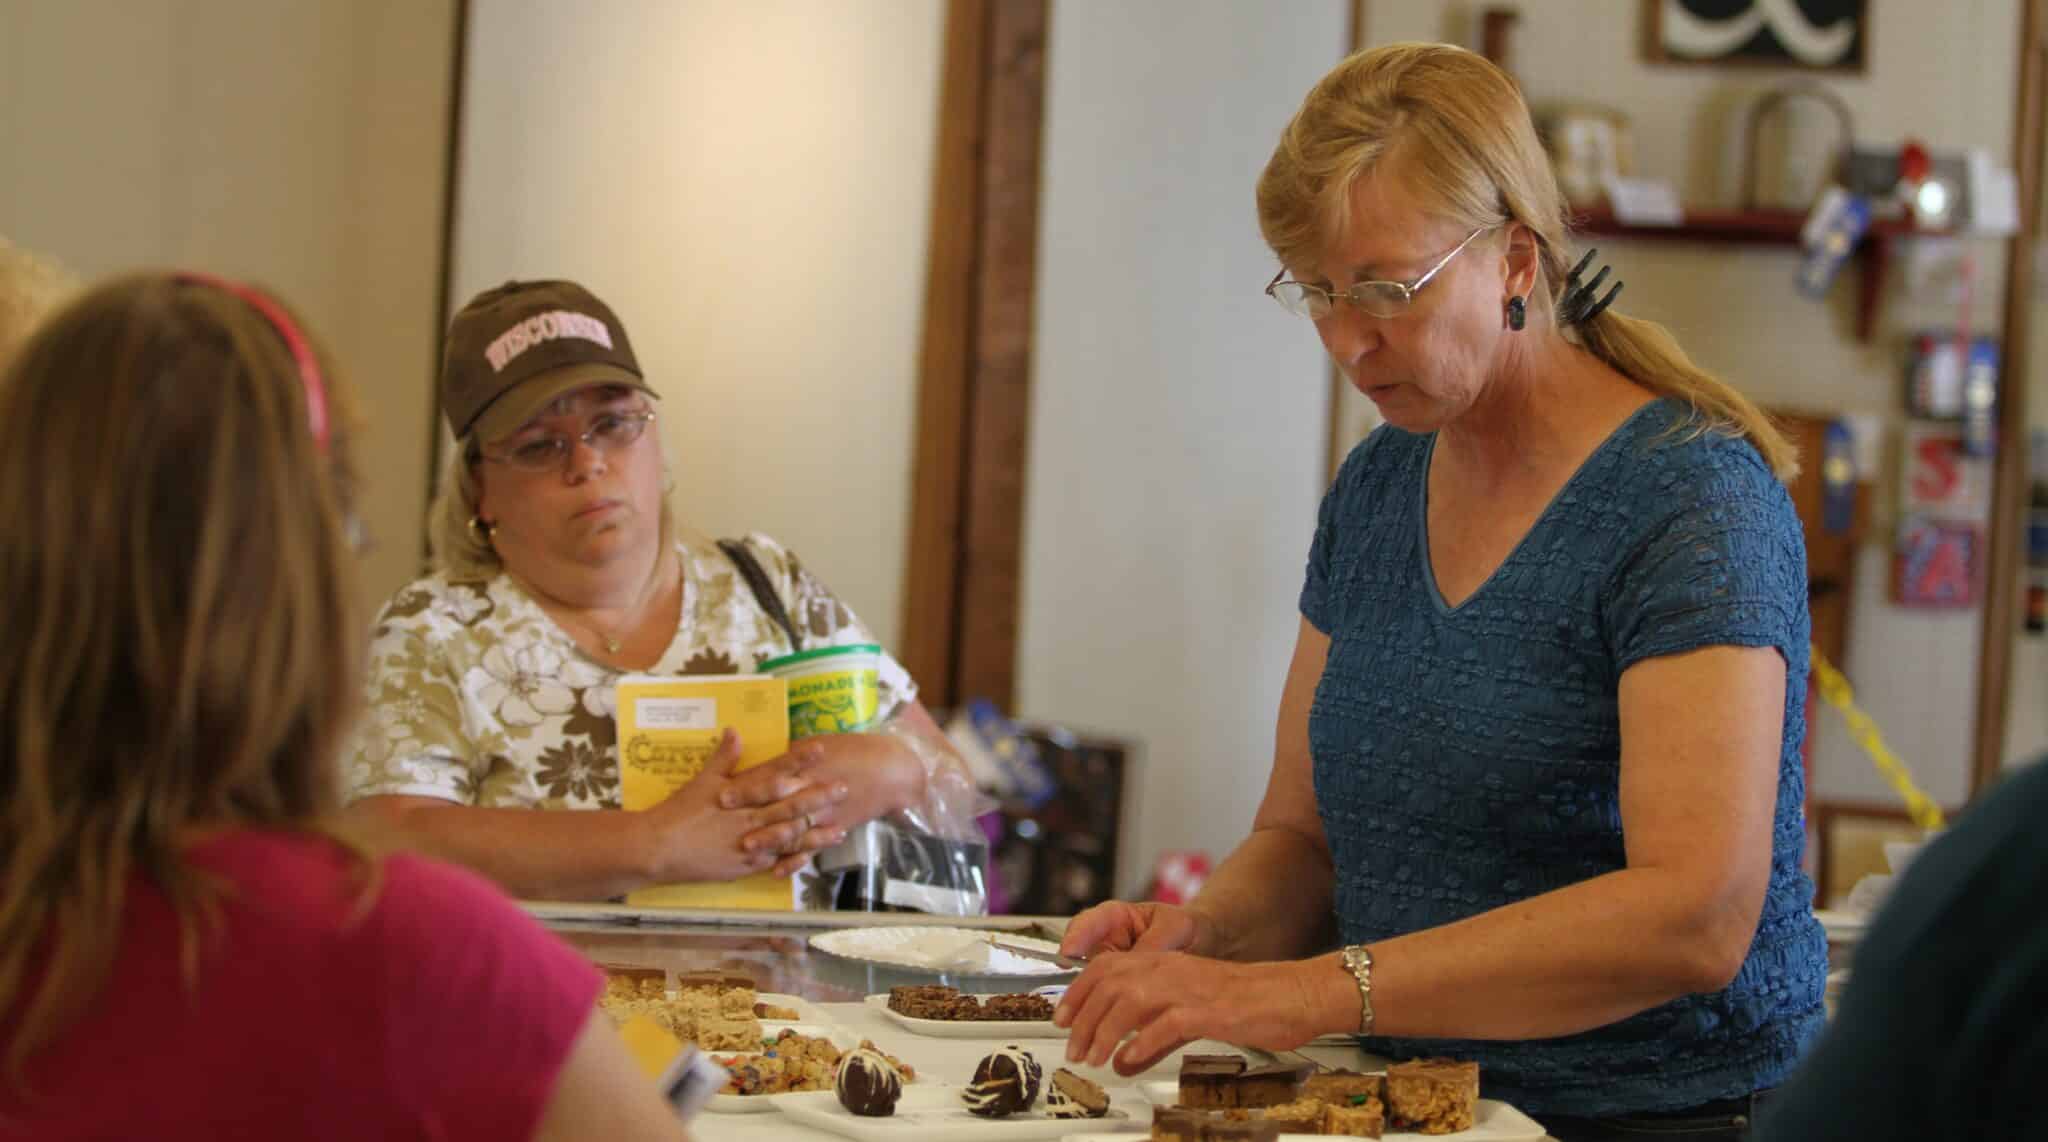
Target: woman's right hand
<point>1121,926</point>
<point>692,838</point>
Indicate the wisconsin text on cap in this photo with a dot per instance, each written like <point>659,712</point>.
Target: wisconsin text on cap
<point>541,327</point>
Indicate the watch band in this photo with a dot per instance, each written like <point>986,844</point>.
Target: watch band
<point>1358,961</point>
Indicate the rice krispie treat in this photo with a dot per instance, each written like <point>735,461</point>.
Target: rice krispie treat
<point>1365,1120</point>
<point>1433,1096</point>
<point>1302,1116</point>
<point>736,1002</point>
<point>1340,1087</point>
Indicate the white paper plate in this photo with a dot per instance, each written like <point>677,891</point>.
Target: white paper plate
<point>1492,1119</point>
<point>951,951</point>
<point>1333,1039</point>
<point>758,1103</point>
<point>934,1112</point>
<point>968,1028</point>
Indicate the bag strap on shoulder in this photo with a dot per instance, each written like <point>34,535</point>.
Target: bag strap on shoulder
<point>750,569</point>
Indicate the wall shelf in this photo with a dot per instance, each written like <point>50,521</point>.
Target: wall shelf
<point>1768,228</point>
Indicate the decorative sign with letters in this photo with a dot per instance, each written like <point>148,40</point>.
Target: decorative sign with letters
<point>1936,563</point>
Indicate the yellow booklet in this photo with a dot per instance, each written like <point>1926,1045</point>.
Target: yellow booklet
<point>668,729</point>
<point>650,1044</point>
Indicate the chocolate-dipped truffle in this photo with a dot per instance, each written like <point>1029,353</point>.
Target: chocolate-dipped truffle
<point>866,1084</point>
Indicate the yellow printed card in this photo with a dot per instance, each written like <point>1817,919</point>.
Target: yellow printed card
<point>668,730</point>
<point>650,1044</point>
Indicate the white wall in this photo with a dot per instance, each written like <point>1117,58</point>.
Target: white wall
<point>1942,73</point>
<point>299,145</point>
<point>1178,416</point>
<point>749,186</point>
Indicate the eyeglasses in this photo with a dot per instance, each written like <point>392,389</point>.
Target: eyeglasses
<point>608,432</point>
<point>1381,299</point>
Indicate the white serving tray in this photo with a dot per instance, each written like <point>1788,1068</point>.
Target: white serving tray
<point>940,949</point>
<point>839,1037</point>
<point>1492,1119</point>
<point>930,1111</point>
<point>968,1028</point>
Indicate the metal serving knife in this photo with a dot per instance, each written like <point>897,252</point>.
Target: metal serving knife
<point>1071,963</point>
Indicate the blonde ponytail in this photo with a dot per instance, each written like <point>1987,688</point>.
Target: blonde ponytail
<point>1646,353</point>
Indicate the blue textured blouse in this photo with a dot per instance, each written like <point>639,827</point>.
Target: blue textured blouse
<point>1469,757</point>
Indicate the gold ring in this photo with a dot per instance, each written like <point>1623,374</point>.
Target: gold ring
<point>809,822</point>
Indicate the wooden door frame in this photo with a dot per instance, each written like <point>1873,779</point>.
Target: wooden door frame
<point>963,570</point>
<point>438,439</point>
<point>2009,480</point>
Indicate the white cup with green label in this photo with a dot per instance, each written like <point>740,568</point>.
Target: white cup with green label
<point>832,689</point>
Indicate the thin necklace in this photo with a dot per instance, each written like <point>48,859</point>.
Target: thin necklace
<point>611,641</point>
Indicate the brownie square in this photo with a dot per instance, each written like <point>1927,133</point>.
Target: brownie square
<point>926,1001</point>
<point>1210,1080</point>
<point>1272,1084</point>
<point>1019,1007</point>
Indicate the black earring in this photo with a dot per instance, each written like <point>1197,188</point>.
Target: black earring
<point>1518,313</point>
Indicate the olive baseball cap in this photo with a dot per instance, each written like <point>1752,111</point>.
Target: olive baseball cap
<point>515,348</point>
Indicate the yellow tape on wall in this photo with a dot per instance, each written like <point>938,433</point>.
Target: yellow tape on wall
<point>1834,689</point>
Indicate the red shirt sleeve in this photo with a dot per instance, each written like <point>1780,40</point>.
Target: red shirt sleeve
<point>483,1003</point>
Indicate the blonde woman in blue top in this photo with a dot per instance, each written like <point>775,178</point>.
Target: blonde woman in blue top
<point>1536,771</point>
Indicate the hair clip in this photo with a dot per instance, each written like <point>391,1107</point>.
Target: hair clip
<point>1577,305</point>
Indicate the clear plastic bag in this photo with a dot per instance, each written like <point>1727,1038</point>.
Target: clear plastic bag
<point>931,857</point>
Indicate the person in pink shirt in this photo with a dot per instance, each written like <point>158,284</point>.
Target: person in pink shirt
<point>187,949</point>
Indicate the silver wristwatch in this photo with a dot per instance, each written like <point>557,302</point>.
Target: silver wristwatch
<point>1358,961</point>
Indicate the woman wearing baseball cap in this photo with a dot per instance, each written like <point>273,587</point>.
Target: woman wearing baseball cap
<point>560,567</point>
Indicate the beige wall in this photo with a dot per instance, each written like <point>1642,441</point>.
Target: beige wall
<point>1177,414</point>
<point>1944,73</point>
<point>749,186</point>
<point>299,145</point>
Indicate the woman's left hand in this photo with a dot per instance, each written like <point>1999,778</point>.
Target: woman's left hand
<point>1166,1000</point>
<point>879,772</point>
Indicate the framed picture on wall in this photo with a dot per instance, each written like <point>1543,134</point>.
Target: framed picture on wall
<point>1806,35</point>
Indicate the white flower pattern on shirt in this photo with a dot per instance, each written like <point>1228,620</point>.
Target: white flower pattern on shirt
<point>528,681</point>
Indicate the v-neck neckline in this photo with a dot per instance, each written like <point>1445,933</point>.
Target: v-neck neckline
<point>675,642</point>
<point>1436,594</point>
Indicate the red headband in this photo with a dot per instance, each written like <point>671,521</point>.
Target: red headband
<point>301,350</point>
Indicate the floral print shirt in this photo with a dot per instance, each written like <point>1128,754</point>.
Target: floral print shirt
<point>476,696</point>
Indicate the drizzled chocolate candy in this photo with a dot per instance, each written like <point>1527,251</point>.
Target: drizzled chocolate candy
<point>1005,1083</point>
